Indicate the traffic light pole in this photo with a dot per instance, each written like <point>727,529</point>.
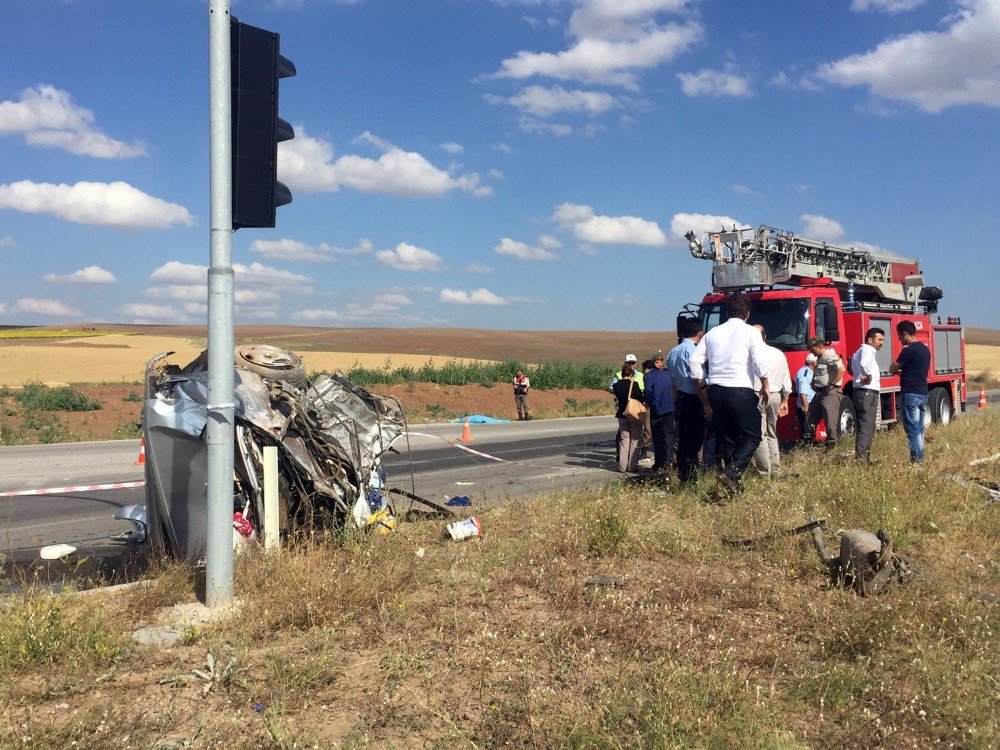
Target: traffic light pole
<point>220,432</point>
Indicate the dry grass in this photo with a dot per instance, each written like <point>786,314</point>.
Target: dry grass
<point>413,641</point>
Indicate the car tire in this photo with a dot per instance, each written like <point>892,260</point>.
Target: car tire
<point>271,363</point>
<point>848,421</point>
<point>940,407</point>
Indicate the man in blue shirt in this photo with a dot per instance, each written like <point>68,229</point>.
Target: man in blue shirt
<point>689,411</point>
<point>660,408</point>
<point>912,365</point>
<point>804,393</point>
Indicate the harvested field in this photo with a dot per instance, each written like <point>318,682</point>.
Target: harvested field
<point>119,357</point>
<point>474,343</point>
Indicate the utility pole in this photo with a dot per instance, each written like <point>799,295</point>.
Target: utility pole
<point>220,431</point>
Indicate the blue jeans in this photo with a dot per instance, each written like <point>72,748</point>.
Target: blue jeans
<point>914,410</point>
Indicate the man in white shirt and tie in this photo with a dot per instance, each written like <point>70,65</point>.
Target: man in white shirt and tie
<point>735,354</point>
<point>867,401</point>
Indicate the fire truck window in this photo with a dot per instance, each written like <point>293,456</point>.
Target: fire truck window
<point>821,331</point>
<point>711,316</point>
<point>784,320</point>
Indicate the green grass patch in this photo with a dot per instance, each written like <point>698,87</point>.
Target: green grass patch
<point>545,376</point>
<point>41,397</point>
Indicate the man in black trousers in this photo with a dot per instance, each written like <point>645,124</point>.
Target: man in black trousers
<point>734,353</point>
<point>689,412</point>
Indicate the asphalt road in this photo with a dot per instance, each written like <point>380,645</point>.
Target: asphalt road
<point>536,457</point>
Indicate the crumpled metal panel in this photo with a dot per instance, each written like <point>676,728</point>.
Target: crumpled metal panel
<point>361,424</point>
<point>331,436</point>
<point>740,275</point>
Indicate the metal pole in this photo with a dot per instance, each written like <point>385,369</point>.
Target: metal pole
<point>220,436</point>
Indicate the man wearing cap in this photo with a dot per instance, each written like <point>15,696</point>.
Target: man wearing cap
<point>660,410</point>
<point>689,412</point>
<point>805,394</point>
<point>867,401</point>
<point>828,377</point>
<point>734,353</point>
<point>630,359</point>
<point>768,455</point>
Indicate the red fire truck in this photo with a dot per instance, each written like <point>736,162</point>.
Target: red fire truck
<point>802,288</point>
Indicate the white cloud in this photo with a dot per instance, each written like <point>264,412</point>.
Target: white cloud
<point>142,312</point>
<point>307,164</point>
<point>478,268</point>
<point>475,297</point>
<point>496,174</point>
<point>608,230</point>
<point>382,307</point>
<point>46,116</point>
<point>523,251</point>
<point>7,241</point>
<point>115,204</point>
<point>886,6</point>
<point>55,308</point>
<point>254,276</point>
<point>287,249</point>
<point>549,242</point>
<point>532,125</point>
<point>715,83</point>
<point>932,70</point>
<point>88,275</point>
<point>453,148</point>
<point>612,40</point>
<point>741,189</point>
<point>503,148</point>
<point>407,257</point>
<point>3,308</point>
<point>817,227</point>
<point>544,101</point>
<point>700,224</point>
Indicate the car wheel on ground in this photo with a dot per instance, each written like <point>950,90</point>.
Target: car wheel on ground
<point>271,362</point>
<point>848,417</point>
<point>940,406</point>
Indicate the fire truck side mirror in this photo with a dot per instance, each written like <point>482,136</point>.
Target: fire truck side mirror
<point>830,326</point>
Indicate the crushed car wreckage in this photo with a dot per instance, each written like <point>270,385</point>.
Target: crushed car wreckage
<point>330,437</point>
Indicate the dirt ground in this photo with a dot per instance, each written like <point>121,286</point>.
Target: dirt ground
<point>118,417</point>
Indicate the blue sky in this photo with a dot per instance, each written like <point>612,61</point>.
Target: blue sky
<point>495,163</point>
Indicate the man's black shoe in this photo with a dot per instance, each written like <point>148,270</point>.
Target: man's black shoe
<point>727,483</point>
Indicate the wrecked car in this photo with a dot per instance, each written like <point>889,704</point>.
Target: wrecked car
<point>330,437</point>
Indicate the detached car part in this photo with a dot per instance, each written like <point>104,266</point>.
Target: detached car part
<point>330,437</point>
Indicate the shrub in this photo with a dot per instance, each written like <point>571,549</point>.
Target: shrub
<point>544,376</point>
<point>45,398</point>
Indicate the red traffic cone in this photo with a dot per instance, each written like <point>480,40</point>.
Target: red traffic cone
<point>142,452</point>
<point>982,398</point>
<point>466,433</point>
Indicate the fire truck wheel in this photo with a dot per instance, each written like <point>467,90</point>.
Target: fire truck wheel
<point>848,417</point>
<point>940,406</point>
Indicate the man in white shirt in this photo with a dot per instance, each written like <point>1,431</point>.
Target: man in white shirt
<point>867,402</point>
<point>735,354</point>
<point>768,456</point>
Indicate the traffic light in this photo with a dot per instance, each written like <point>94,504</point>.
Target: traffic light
<point>257,66</point>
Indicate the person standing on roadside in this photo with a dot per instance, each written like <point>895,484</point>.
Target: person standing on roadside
<point>768,455</point>
<point>689,411</point>
<point>734,353</point>
<point>630,359</point>
<point>912,365</point>
<point>521,386</point>
<point>629,432</point>
<point>804,394</point>
<point>828,379</point>
<point>660,412</point>
<point>867,401</point>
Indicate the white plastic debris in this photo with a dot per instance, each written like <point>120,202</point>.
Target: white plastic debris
<point>56,551</point>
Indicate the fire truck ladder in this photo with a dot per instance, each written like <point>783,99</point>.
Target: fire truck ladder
<point>766,256</point>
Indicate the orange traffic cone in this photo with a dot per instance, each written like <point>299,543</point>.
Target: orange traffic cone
<point>982,398</point>
<point>142,452</point>
<point>466,433</point>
